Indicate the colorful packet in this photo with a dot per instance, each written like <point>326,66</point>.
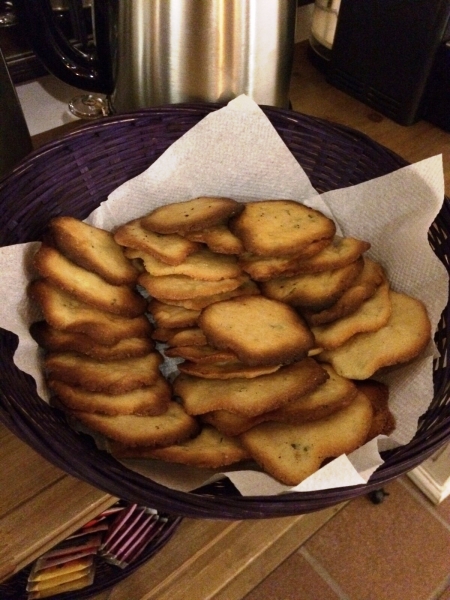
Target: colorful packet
<point>71,586</point>
<point>40,573</point>
<point>44,584</point>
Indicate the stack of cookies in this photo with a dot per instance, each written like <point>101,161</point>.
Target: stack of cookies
<point>360,325</point>
<point>277,326</point>
<point>100,360</point>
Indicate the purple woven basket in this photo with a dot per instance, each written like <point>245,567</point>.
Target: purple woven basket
<point>71,176</point>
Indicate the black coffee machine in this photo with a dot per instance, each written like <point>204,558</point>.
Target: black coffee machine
<point>394,55</point>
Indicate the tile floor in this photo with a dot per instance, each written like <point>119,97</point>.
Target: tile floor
<point>396,550</point>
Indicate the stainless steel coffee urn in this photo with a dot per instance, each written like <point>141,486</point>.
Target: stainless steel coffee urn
<point>155,52</point>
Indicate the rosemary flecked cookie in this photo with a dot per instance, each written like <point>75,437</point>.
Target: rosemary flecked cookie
<point>280,227</point>
<point>171,427</point>
<point>218,239</point>
<point>58,340</point>
<point>313,291</point>
<point>210,449</point>
<point>383,422</point>
<point>87,286</point>
<point>169,316</point>
<point>249,397</point>
<point>259,330</point>
<point>404,336</point>
<point>361,289</point>
<point>332,395</point>
<point>292,452</point>
<point>335,254</point>
<point>191,215</point>
<point>225,369</point>
<point>373,314</point>
<point>112,376</point>
<point>171,249</point>
<point>93,249</point>
<point>247,288</point>
<point>147,400</point>
<point>63,311</point>
<point>202,264</point>
<point>182,287</point>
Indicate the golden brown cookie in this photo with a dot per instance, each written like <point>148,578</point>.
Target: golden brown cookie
<point>171,249</point>
<point>248,288</point>
<point>190,336</point>
<point>168,316</point>
<point>172,427</point>
<point>202,264</point>
<point>405,335</point>
<point>58,340</point>
<point>280,227</point>
<point>335,393</point>
<point>259,330</point>
<point>201,354</point>
<point>192,215</point>
<point>229,369</point>
<point>292,452</point>
<point>249,397</point>
<point>149,400</point>
<point>162,334</point>
<point>218,239</point>
<point>332,395</point>
<point>361,289</point>
<point>313,291</point>
<point>383,422</point>
<point>113,376</point>
<point>182,287</point>
<point>209,449</point>
<point>341,252</point>
<point>93,249</point>
<point>231,424</point>
<point>373,314</point>
<point>335,254</point>
<point>63,311</point>
<point>88,286</point>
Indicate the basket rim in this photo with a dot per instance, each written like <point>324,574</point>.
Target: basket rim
<point>94,126</point>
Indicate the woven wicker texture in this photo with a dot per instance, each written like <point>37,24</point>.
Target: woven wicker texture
<point>73,175</point>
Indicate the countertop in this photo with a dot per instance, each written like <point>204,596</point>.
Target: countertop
<point>196,557</point>
<point>312,95</point>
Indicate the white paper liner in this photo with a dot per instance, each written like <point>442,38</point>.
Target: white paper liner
<point>236,152</point>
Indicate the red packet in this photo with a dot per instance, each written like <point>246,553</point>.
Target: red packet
<point>112,510</point>
<point>44,563</point>
<point>95,528</point>
<point>72,546</point>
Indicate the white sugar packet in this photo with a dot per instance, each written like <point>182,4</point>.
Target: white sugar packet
<point>236,152</point>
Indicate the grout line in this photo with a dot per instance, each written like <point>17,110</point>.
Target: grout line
<point>444,585</point>
<point>418,495</point>
<point>323,573</point>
